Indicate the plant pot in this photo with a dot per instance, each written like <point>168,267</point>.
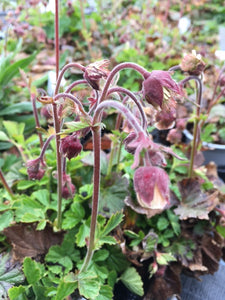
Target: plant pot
<point>212,152</point>
<point>210,287</point>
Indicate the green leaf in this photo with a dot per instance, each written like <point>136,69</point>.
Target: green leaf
<point>13,69</point>
<point>100,255</point>
<point>34,216</point>
<point>132,280</point>
<point>14,129</point>
<point>88,285</point>
<point>105,293</point>
<point>112,196</point>
<point>18,108</point>
<point>42,196</point>
<point>66,287</point>
<point>25,184</point>
<point>164,258</point>
<point>114,221</point>
<point>31,270</point>
<point>17,293</point>
<point>5,219</point>
<point>75,126</point>
<point>82,234</point>
<point>41,225</point>
<point>162,223</point>
<point>74,216</point>
<point>3,136</point>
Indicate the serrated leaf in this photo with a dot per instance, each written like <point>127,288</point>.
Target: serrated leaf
<point>41,225</point>
<point>132,280</point>
<point>14,129</point>
<point>34,216</point>
<point>164,258</point>
<point>66,287</point>
<point>42,196</point>
<point>112,223</point>
<point>82,234</point>
<point>25,184</point>
<point>105,293</point>
<point>31,270</point>
<point>75,126</point>
<point>17,293</point>
<point>5,219</point>
<point>100,255</point>
<point>88,285</point>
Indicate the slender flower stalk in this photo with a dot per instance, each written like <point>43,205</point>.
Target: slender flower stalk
<point>95,199</point>
<point>74,84</point>
<point>33,100</point>
<point>115,70</point>
<point>57,37</point>
<point>133,97</point>
<point>74,99</point>
<point>196,139</point>
<point>64,69</point>
<point>45,146</point>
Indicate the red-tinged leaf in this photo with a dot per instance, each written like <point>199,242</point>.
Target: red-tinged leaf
<point>195,202</point>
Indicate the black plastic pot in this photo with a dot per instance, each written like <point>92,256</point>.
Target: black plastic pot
<point>122,293</point>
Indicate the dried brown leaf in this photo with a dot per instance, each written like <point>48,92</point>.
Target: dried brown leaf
<point>27,241</point>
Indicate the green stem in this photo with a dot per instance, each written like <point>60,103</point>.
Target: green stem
<point>118,156</point>
<point>196,141</point>
<point>96,131</point>
<point>57,123</point>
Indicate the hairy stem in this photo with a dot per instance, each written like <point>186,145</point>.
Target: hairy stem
<point>195,142</point>
<point>64,69</point>
<point>115,70</point>
<point>33,100</point>
<point>91,243</point>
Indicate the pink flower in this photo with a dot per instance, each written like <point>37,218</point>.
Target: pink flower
<point>151,185</point>
<point>159,86</point>
<point>96,71</point>
<point>71,146</point>
<point>131,136</point>
<point>68,189</point>
<point>34,170</point>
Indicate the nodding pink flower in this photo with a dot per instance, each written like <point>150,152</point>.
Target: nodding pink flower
<point>131,136</point>
<point>68,189</point>
<point>174,136</point>
<point>34,170</point>
<point>151,185</point>
<point>159,86</point>
<point>165,119</point>
<point>96,71</point>
<point>71,146</point>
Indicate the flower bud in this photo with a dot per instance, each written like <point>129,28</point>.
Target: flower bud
<point>33,169</point>
<point>71,146</point>
<point>192,63</point>
<point>151,185</point>
<point>68,189</point>
<point>96,71</point>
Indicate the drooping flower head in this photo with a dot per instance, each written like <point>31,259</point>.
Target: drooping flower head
<point>192,63</point>
<point>68,189</point>
<point>159,86</point>
<point>71,146</point>
<point>96,71</point>
<point>34,169</point>
<point>151,185</point>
